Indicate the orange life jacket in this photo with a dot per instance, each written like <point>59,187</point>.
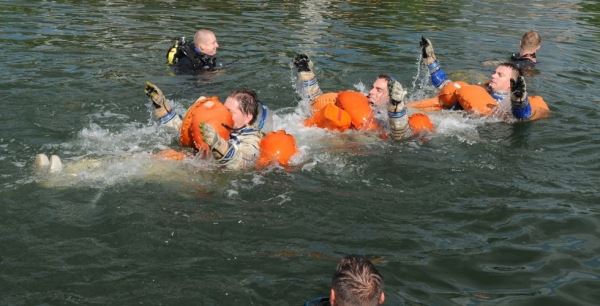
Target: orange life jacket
<point>276,147</point>
<point>205,110</point>
<point>357,106</point>
<point>323,100</point>
<point>476,99</point>
<point>539,108</point>
<point>330,117</point>
<point>420,123</point>
<point>447,95</point>
<point>351,109</point>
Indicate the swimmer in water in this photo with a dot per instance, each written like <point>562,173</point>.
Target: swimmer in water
<point>526,58</point>
<point>386,92</point>
<point>506,90</point>
<point>250,120</point>
<point>356,282</point>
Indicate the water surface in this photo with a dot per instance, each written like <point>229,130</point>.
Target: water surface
<point>483,213</point>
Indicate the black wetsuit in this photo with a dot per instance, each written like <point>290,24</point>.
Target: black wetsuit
<point>523,62</point>
<point>188,59</point>
<point>320,301</point>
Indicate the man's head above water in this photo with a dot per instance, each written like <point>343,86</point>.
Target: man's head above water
<point>206,41</point>
<point>500,79</point>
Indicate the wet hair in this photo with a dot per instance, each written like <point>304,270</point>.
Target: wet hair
<point>531,40</point>
<point>388,78</point>
<point>516,71</point>
<point>357,282</point>
<point>248,102</point>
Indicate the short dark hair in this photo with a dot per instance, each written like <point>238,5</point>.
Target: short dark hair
<point>248,102</point>
<point>386,77</point>
<point>357,282</point>
<point>516,71</point>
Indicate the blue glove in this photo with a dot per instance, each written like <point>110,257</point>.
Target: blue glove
<point>519,99</point>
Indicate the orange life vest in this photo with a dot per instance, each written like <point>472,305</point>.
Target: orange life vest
<point>276,147</point>
<point>539,108</point>
<point>351,109</point>
<point>330,117</point>
<point>357,106</point>
<point>323,100</point>
<point>205,110</point>
<point>472,98</point>
<point>476,99</point>
<point>447,95</point>
<point>420,123</point>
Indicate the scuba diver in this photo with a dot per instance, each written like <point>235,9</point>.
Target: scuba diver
<point>506,90</point>
<point>330,109</point>
<point>232,134</point>
<point>199,55</point>
<point>526,58</point>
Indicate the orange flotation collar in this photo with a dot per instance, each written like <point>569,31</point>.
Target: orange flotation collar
<point>539,108</point>
<point>447,95</point>
<point>357,106</point>
<point>330,117</point>
<point>276,147</point>
<point>351,109</point>
<point>476,99</point>
<point>472,98</point>
<point>420,123</point>
<point>323,100</point>
<point>205,110</point>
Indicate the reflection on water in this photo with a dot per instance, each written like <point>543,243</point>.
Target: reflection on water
<point>482,212</point>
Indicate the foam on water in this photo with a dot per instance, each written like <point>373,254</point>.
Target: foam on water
<point>102,156</point>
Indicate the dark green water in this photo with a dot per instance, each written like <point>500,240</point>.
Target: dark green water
<point>485,213</point>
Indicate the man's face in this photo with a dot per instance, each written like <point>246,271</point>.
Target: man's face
<point>209,44</point>
<point>500,81</point>
<point>239,118</point>
<point>378,95</point>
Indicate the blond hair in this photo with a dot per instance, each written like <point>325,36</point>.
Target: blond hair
<point>531,40</point>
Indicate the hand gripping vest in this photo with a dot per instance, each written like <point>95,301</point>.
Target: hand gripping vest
<point>209,110</point>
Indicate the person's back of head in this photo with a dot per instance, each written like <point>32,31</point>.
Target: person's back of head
<point>356,282</point>
<point>530,42</point>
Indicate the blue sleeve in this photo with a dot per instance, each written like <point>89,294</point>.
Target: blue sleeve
<point>438,75</point>
<point>523,111</point>
<point>168,117</point>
